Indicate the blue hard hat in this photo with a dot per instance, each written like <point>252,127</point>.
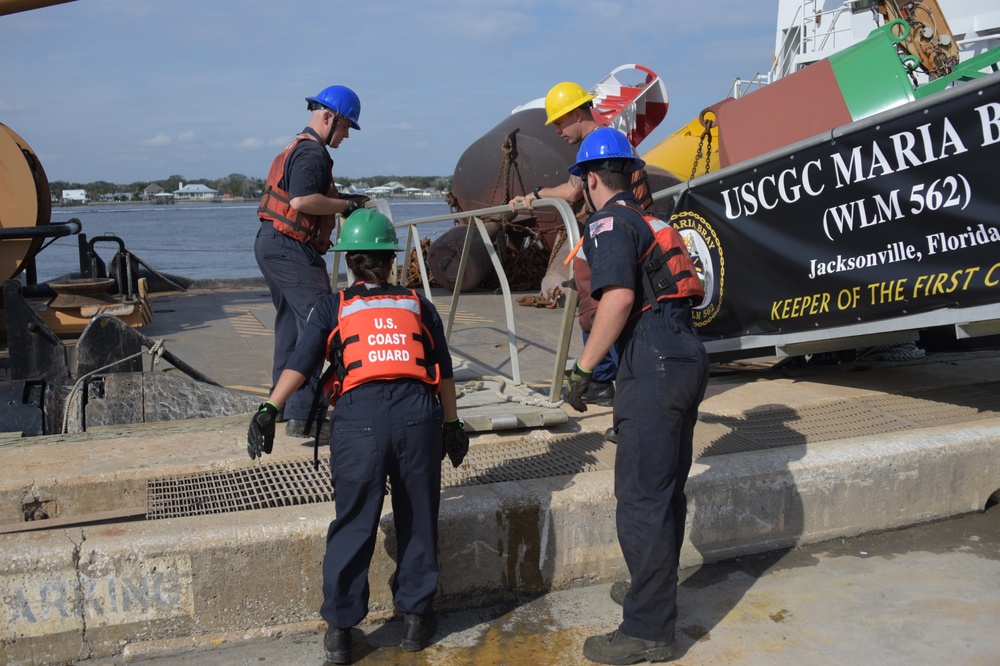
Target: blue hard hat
<point>339,99</point>
<point>601,146</point>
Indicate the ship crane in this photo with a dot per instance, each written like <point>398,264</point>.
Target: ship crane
<point>930,38</point>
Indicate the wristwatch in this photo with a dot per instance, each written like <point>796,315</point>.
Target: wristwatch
<point>536,191</point>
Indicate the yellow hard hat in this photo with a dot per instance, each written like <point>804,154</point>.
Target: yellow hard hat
<point>563,98</point>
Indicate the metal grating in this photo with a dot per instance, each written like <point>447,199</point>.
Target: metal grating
<point>296,482</point>
<point>528,460</point>
<point>774,426</point>
<point>766,427</point>
<point>258,487</point>
<point>940,406</point>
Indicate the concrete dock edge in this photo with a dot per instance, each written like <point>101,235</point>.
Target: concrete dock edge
<point>89,591</point>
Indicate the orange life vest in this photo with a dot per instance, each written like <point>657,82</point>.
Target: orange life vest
<point>379,336</point>
<point>667,270</point>
<point>275,204</point>
<point>640,189</point>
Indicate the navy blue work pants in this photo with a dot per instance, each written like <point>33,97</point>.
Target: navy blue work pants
<point>662,376</point>
<point>383,430</point>
<point>607,367</point>
<point>296,275</point>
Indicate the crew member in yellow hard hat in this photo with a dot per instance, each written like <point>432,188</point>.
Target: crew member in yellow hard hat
<point>395,418</point>
<point>569,109</point>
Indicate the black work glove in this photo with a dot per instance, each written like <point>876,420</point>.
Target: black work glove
<point>579,382</point>
<point>260,436</point>
<point>454,443</point>
<point>354,202</point>
<point>352,205</point>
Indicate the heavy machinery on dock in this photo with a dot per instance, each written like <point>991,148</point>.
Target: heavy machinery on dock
<point>48,385</point>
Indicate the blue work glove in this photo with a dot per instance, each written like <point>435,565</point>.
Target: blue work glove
<point>579,382</point>
<point>260,436</point>
<point>454,442</point>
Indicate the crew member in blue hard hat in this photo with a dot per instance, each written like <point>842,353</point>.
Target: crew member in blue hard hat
<point>395,417</point>
<point>644,283</point>
<point>297,213</point>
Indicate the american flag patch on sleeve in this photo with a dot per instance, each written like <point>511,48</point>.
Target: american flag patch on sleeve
<point>601,225</point>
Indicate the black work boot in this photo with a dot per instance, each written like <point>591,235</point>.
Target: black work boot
<point>337,643</point>
<point>600,393</point>
<point>297,428</point>
<point>619,648</point>
<point>611,435</point>
<point>417,631</point>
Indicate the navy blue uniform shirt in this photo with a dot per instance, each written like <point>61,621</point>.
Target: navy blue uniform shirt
<point>306,170</point>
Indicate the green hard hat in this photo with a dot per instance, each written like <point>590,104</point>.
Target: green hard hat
<point>366,229</point>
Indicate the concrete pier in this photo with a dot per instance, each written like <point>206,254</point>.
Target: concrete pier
<point>783,459</point>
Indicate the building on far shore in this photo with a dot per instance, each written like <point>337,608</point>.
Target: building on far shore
<point>74,196</point>
<point>115,196</point>
<point>151,191</point>
<point>195,192</point>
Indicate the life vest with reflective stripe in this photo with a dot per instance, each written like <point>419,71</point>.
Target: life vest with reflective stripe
<point>275,204</point>
<point>378,336</point>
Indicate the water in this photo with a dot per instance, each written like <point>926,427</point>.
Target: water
<point>197,241</point>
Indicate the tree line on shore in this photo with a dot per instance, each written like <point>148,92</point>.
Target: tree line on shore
<point>235,184</point>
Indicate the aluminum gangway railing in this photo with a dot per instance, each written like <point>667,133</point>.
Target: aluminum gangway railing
<point>475,225</point>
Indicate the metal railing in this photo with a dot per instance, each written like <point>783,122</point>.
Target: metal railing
<point>813,31</point>
<point>742,87</point>
<point>475,225</point>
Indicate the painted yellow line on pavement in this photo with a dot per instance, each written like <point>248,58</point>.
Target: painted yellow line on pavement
<point>463,316</point>
<point>247,324</point>
<point>251,389</point>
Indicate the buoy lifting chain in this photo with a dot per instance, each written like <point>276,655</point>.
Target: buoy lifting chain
<point>706,138</point>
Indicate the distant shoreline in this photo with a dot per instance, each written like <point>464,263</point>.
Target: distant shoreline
<point>232,200</point>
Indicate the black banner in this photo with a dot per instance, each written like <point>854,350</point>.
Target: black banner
<point>886,221</point>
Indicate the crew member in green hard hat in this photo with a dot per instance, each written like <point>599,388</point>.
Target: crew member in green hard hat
<point>569,108</point>
<point>297,214</point>
<point>395,417</point>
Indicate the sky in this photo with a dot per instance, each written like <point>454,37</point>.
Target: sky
<point>138,90</point>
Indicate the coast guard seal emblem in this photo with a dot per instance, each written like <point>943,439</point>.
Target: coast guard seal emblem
<point>706,255</point>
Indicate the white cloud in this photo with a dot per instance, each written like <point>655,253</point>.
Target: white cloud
<point>199,97</point>
<point>158,140</point>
